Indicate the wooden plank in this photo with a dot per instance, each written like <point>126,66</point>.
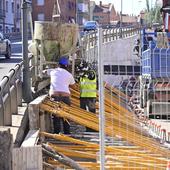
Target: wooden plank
<point>33,112</point>
<point>31,138</point>
<point>25,158</point>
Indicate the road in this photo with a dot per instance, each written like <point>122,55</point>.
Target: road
<point>6,65</point>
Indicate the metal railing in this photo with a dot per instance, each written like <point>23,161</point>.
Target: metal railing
<point>11,93</point>
<point>89,40</point>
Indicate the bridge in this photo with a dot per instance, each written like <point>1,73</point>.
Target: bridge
<point>120,65</point>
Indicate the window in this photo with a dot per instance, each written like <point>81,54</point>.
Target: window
<point>40,2</point>
<point>82,7</point>
<point>129,70</point>
<point>41,17</point>
<point>69,5</point>
<point>107,69</point>
<point>6,29</point>
<point>72,4</point>
<point>6,6</point>
<point>137,70</point>
<point>12,7</point>
<point>115,69</point>
<point>122,70</point>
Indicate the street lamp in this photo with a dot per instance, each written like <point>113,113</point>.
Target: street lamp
<point>27,93</point>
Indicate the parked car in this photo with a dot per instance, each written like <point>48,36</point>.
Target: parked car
<point>5,46</point>
<point>90,25</point>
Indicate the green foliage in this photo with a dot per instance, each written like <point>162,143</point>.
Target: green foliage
<point>153,16</point>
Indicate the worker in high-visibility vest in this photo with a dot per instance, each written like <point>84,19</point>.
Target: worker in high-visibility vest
<point>88,92</point>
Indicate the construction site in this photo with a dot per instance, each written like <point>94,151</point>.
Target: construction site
<point>131,126</point>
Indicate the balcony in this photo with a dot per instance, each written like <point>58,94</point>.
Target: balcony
<point>2,13</point>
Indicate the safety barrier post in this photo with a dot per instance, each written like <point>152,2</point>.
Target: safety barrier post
<point>158,130</point>
<point>168,136</point>
<point>163,134</point>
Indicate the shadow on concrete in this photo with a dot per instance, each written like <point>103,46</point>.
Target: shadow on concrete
<point>13,60</point>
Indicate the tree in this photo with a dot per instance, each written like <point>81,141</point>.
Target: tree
<point>147,5</point>
<point>152,15</point>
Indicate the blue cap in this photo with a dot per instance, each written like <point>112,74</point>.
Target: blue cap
<point>63,61</point>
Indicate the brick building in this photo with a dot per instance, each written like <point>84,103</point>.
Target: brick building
<point>43,10</point>
<point>104,14</point>
<point>129,19</point>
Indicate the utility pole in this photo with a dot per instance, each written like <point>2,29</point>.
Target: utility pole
<point>77,19</point>
<point>121,19</point>
<point>101,101</point>
<point>27,93</point>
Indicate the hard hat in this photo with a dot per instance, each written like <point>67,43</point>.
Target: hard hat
<point>83,66</point>
<point>64,60</point>
<point>91,75</point>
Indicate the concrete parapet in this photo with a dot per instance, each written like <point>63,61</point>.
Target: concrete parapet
<point>5,149</point>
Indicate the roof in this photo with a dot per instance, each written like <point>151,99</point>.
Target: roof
<point>97,8</point>
<point>105,8</point>
<point>129,19</point>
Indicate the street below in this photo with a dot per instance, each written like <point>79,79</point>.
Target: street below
<point>7,64</point>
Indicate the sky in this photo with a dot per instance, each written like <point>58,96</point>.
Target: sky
<point>128,6</point>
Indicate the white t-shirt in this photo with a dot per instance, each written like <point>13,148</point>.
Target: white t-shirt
<point>60,80</point>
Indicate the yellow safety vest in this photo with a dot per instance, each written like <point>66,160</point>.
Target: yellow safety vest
<point>87,87</point>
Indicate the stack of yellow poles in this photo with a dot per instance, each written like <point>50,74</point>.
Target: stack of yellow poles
<point>119,123</point>
<point>114,127</point>
<point>122,156</point>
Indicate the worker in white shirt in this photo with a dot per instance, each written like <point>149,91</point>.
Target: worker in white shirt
<point>61,79</point>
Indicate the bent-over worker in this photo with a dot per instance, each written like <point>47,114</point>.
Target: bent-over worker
<point>61,79</point>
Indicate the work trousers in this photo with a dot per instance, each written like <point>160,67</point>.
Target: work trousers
<point>89,104</point>
<point>59,122</point>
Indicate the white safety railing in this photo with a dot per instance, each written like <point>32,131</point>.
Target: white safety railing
<point>90,38</point>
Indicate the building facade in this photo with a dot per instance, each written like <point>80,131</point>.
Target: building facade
<point>10,16</point>
<point>105,14</point>
<point>83,11</point>
<point>17,16</point>
<point>2,15</point>
<point>43,10</point>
